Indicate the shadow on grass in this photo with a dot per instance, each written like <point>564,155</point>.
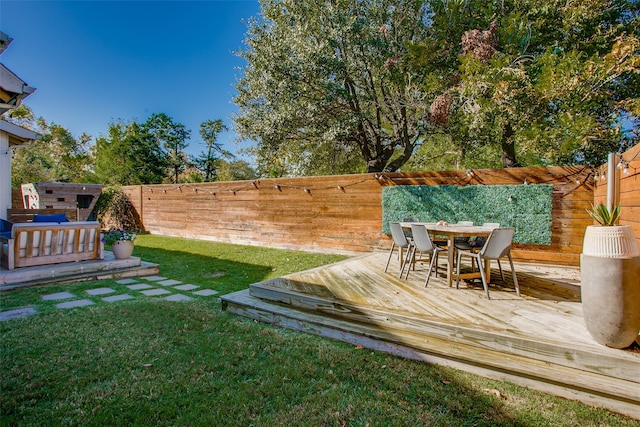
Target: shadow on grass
<point>224,267</point>
<point>207,271</point>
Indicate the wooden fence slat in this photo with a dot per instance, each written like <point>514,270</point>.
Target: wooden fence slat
<point>343,214</point>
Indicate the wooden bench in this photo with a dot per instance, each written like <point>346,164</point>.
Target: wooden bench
<point>42,243</point>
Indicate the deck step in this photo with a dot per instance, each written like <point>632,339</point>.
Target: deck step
<point>574,374</point>
<point>618,364</point>
<point>107,268</point>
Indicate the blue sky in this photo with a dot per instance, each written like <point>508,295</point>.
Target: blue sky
<point>93,62</point>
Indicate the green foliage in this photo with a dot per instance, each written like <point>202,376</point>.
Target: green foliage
<point>118,236</point>
<point>236,170</point>
<point>325,89</point>
<point>129,155</point>
<point>559,80</point>
<point>172,137</point>
<point>527,208</point>
<point>603,215</point>
<point>346,87</point>
<point>115,211</point>
<point>57,157</point>
<point>207,160</point>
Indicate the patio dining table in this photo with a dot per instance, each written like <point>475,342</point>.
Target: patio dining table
<point>451,232</point>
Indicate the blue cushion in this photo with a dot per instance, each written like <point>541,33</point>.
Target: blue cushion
<point>6,234</point>
<point>5,226</point>
<point>51,218</point>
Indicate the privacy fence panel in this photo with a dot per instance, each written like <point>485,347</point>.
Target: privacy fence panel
<point>627,172</point>
<point>344,214</point>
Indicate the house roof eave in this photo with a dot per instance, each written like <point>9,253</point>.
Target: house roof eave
<point>18,135</point>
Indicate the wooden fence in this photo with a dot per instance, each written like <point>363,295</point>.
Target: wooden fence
<point>343,214</point>
<point>628,177</point>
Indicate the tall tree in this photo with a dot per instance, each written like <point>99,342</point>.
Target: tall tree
<point>129,155</point>
<point>207,160</point>
<point>325,90</point>
<point>235,170</point>
<point>58,156</point>
<point>173,138</point>
<point>545,82</point>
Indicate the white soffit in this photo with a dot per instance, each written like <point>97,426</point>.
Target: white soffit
<point>17,134</point>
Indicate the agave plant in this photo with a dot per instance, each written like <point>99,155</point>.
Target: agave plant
<point>603,215</point>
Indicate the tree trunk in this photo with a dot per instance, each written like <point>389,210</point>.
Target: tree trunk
<point>508,148</point>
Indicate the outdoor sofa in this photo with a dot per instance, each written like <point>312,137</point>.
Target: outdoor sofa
<point>40,243</point>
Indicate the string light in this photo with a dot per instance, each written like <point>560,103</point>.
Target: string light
<point>579,177</point>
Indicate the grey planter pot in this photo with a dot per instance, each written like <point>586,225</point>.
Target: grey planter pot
<point>610,270</point>
<point>122,249</point>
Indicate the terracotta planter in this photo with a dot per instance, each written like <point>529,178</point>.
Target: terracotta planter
<point>610,270</point>
<point>122,249</point>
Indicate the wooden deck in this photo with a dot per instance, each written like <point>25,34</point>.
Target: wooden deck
<point>538,340</point>
<point>106,268</point>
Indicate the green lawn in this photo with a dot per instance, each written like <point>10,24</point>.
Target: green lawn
<point>147,361</point>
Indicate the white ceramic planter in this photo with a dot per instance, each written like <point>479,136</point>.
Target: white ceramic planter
<point>122,249</point>
<point>617,241</point>
<point>610,285</point>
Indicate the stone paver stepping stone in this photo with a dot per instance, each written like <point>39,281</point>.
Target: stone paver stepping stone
<point>126,281</point>
<point>19,312</point>
<point>57,296</point>
<point>139,287</point>
<point>74,303</point>
<point>154,292</point>
<point>178,297</point>
<point>186,287</point>
<point>100,291</point>
<point>205,292</point>
<point>120,297</point>
<point>154,278</point>
<point>169,282</point>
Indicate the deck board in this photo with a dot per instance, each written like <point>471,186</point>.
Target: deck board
<point>538,339</point>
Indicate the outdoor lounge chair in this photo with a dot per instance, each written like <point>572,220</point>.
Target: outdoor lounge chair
<point>498,245</point>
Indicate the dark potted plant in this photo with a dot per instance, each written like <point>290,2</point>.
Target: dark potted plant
<point>610,283</point>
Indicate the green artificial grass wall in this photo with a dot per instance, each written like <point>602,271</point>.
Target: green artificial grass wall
<point>527,208</point>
